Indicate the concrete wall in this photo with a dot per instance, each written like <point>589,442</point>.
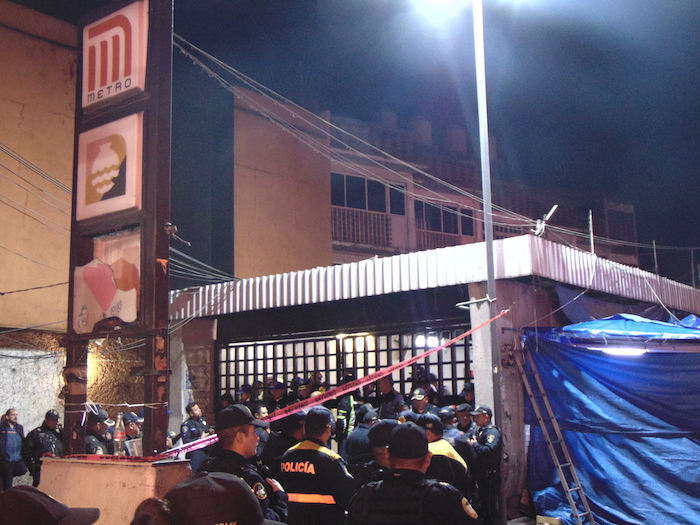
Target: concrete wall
<point>528,305</point>
<point>37,104</point>
<point>115,487</point>
<point>281,192</point>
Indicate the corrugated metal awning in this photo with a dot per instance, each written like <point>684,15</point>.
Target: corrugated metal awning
<point>514,257</point>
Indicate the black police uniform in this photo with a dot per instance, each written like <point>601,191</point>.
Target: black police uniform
<point>318,484</point>
<point>408,497</point>
<point>192,430</point>
<point>40,442</point>
<point>96,443</point>
<point>274,504</point>
<point>486,470</point>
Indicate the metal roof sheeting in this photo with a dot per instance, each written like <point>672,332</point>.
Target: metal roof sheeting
<point>514,257</point>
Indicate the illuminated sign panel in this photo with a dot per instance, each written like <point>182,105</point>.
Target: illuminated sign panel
<point>114,54</point>
<point>110,162</point>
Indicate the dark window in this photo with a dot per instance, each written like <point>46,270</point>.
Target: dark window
<point>355,192</point>
<point>449,220</point>
<point>420,214</point>
<point>337,189</point>
<point>376,196</point>
<point>397,203</point>
<point>467,222</point>
<point>433,218</point>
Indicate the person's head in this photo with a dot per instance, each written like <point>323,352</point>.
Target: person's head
<point>468,392</point>
<point>193,410</point>
<point>482,415</point>
<point>226,400</point>
<point>305,386</point>
<point>293,425</point>
<point>432,425</point>
<point>51,419</point>
<point>244,393</point>
<point>152,511</point>
<point>12,416</point>
<point>370,417</point>
<point>215,497</point>
<point>26,505</point>
<point>447,415</point>
<point>235,426</point>
<point>132,424</point>
<point>319,423</point>
<point>407,415</point>
<point>408,448</point>
<point>278,390</point>
<point>464,417</point>
<point>419,399</point>
<point>385,384</point>
<point>98,421</point>
<point>260,410</point>
<point>378,437</point>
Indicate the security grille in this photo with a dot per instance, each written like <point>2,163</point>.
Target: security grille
<point>331,356</point>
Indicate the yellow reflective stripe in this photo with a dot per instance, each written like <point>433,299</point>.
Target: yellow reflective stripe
<point>326,499</point>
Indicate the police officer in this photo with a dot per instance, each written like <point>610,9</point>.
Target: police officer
<point>420,402</point>
<point>42,441</point>
<point>406,495</point>
<point>97,424</point>
<point>236,428</point>
<point>193,429</point>
<point>317,480</point>
<point>487,446</point>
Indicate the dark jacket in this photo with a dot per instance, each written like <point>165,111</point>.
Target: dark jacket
<point>40,442</point>
<point>318,484</point>
<point>274,504</point>
<point>408,497</point>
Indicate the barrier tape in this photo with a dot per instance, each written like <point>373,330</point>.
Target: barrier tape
<point>332,393</point>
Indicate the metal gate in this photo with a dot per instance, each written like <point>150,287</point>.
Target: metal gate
<point>329,357</point>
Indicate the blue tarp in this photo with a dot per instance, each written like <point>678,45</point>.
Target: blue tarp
<point>632,423</point>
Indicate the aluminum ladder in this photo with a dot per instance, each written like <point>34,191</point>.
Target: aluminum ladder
<point>553,436</point>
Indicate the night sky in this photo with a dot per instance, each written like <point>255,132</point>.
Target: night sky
<point>583,94</point>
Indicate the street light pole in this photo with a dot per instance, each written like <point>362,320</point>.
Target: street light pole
<point>480,63</point>
<point>478,15</point>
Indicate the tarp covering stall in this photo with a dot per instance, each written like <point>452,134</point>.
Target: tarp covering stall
<point>631,422</point>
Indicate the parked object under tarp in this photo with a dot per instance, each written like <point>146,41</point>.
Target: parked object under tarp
<point>631,422</point>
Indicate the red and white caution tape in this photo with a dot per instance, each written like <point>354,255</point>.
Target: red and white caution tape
<point>330,394</point>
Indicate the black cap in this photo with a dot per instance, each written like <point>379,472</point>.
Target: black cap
<point>447,414</point>
<point>277,386</point>
<point>25,505</point>
<point>317,419</point>
<point>130,417</point>
<point>216,497</point>
<point>370,415</point>
<point>464,407</point>
<point>407,415</point>
<point>294,421</point>
<point>481,409</point>
<point>380,433</point>
<point>52,414</point>
<point>431,422</point>
<point>237,415</point>
<point>101,416</point>
<point>304,381</point>
<point>408,441</point>
<point>244,388</point>
<point>418,393</point>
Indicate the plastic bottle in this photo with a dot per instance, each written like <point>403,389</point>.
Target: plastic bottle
<point>119,436</point>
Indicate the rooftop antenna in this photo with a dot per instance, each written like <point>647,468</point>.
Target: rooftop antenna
<point>542,223</point>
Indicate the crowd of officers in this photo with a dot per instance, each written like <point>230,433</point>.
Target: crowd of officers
<point>418,458</point>
<point>400,459</point>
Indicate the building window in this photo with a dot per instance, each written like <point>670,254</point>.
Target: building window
<point>361,194</point>
<point>436,218</point>
<point>467,220</point>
